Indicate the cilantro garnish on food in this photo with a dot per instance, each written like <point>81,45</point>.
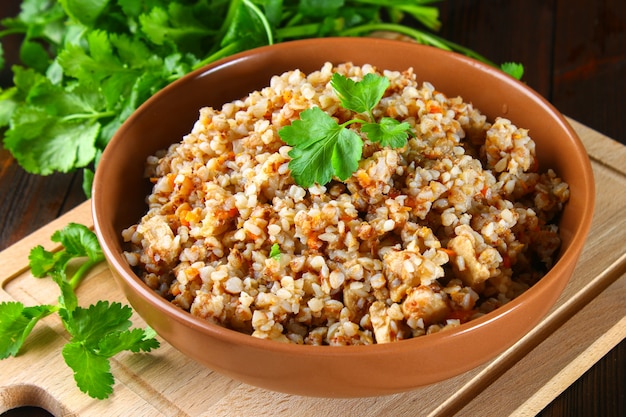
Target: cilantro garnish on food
<point>97,332</point>
<point>275,251</point>
<point>323,148</point>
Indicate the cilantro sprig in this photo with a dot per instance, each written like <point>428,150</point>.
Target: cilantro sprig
<point>97,332</point>
<point>323,148</point>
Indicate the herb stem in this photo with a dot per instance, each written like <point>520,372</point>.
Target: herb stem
<point>82,271</point>
<point>95,115</point>
<point>224,52</point>
<point>230,15</point>
<point>13,31</point>
<point>418,35</point>
<point>428,15</point>
<point>309,29</point>
<point>262,18</point>
<point>352,121</point>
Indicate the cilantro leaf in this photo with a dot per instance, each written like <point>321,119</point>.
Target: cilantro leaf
<point>346,153</point>
<point>8,105</point>
<point>322,148</point>
<point>79,240</point>
<point>247,28</point>
<point>275,251</point>
<point>514,69</point>
<point>34,55</point>
<point>134,340</point>
<point>89,325</point>
<point>51,128</point>
<point>68,301</point>
<point>99,332</point>
<point>43,262</point>
<point>388,132</point>
<point>177,25</point>
<point>92,372</point>
<point>361,96</point>
<point>319,7</point>
<point>16,323</point>
<point>84,11</point>
<point>42,143</point>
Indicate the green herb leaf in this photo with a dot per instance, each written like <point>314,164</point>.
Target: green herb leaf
<point>44,263</point>
<point>16,323</point>
<point>34,55</point>
<point>92,372</point>
<point>248,28</point>
<point>68,301</point>
<point>320,8</point>
<point>361,96</point>
<point>514,69</point>
<point>43,143</point>
<point>322,148</point>
<point>99,332</point>
<point>79,240</point>
<point>90,325</point>
<point>176,25</point>
<point>134,340</point>
<point>275,251</point>
<point>388,132</point>
<point>84,11</point>
<point>346,153</point>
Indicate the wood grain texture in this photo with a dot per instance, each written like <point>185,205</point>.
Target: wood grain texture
<point>587,322</point>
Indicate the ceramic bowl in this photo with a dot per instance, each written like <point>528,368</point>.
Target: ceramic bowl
<point>119,200</point>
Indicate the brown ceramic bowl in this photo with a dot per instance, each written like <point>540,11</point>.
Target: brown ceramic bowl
<point>120,189</point>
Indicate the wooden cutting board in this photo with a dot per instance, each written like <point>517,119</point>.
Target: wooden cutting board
<point>587,322</point>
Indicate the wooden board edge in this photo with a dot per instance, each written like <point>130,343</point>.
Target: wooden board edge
<point>547,326</point>
<point>574,370</point>
<point>14,259</point>
<point>601,148</point>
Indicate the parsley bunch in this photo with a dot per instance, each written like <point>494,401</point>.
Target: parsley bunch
<point>97,332</point>
<point>323,148</point>
<point>87,65</point>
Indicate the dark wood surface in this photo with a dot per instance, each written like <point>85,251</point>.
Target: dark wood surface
<point>574,53</point>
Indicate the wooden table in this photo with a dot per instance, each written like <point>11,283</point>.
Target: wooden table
<point>574,52</point>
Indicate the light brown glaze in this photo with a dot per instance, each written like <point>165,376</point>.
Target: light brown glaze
<point>120,189</point>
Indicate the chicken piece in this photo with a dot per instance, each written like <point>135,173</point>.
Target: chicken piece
<point>423,306</point>
<point>509,149</point>
<point>357,300</point>
<point>407,269</point>
<point>381,322</point>
<point>387,322</point>
<point>220,214</point>
<point>472,267</point>
<point>348,334</point>
<point>371,183</point>
<point>159,241</point>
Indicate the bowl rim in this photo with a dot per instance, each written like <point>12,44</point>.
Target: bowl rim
<point>118,263</point>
